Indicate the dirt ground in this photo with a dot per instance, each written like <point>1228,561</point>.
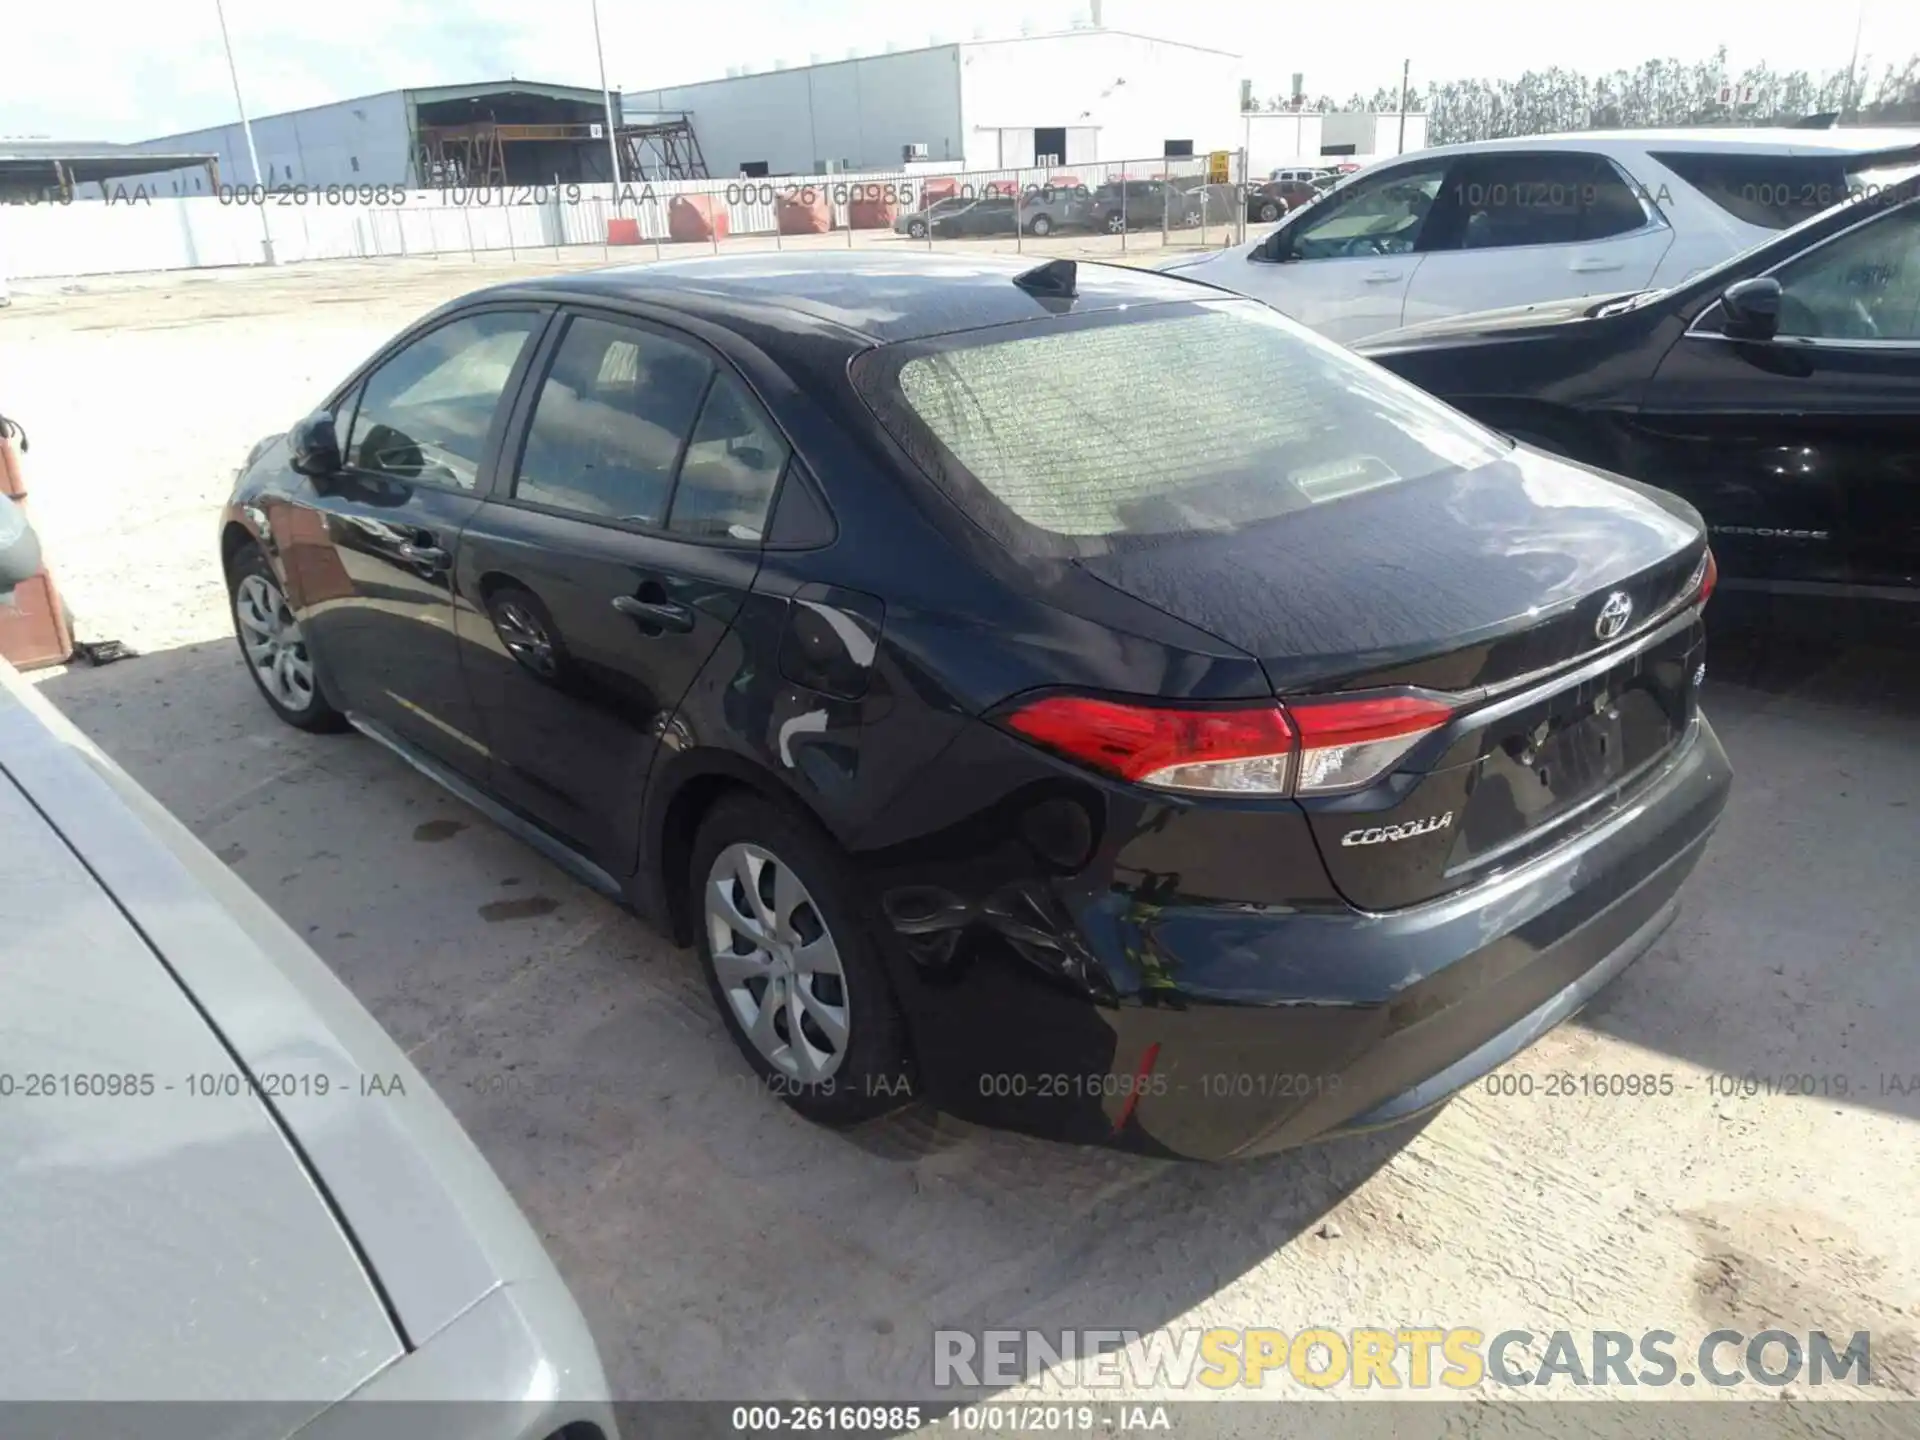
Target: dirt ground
<point>699,1222</point>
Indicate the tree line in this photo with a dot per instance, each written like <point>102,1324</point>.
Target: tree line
<point>1657,93</point>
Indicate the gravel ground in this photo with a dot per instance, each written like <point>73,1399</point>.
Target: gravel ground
<point>699,1222</point>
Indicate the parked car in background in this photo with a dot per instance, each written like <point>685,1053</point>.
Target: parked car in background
<point>958,218</point>
<point>987,710</point>
<point>957,215</point>
<point>1304,175</point>
<point>1143,205</point>
<point>1275,198</point>
<point>1777,392</point>
<point>1509,222</point>
<point>223,1182</point>
<point>1218,202</point>
<point>1046,208</point>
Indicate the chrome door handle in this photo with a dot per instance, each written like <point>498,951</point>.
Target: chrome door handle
<point>1380,277</point>
<point>1593,265</point>
<point>431,556</point>
<point>664,613</point>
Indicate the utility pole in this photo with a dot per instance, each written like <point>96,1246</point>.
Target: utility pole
<point>246,126</point>
<point>1849,105</point>
<point>606,96</point>
<point>1406,69</point>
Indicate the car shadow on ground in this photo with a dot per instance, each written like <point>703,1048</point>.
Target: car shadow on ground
<point>1792,968</point>
<point>696,1218</point>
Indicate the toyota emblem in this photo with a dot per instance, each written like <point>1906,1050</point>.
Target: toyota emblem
<point>1613,615</point>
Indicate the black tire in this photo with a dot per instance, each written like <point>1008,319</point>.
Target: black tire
<point>874,1072</point>
<point>1116,223</point>
<point>1040,226</point>
<point>1270,211</point>
<point>317,714</point>
<point>917,229</point>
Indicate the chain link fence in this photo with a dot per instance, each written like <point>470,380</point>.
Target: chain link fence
<point>1107,209</point>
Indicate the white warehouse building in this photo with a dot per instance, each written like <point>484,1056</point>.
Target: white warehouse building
<point>1069,98</point>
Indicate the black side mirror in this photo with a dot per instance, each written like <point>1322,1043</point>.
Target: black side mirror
<point>314,445</point>
<point>1752,308</point>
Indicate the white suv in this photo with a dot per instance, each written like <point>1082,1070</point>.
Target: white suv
<point>1500,223</point>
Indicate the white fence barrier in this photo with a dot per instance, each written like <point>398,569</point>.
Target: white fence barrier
<point>131,232</point>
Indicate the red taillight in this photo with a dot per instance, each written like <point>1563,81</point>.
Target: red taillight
<point>1309,747</point>
<point>1710,579</point>
<point>1345,744</point>
<point>1246,749</point>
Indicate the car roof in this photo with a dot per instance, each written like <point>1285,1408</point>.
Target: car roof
<point>1778,140</point>
<point>865,293</point>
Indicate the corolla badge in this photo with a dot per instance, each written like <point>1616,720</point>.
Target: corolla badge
<point>1613,615</point>
<point>1381,834</point>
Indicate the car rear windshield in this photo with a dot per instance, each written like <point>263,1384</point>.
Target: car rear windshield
<point>1084,434</point>
<point>1776,191</point>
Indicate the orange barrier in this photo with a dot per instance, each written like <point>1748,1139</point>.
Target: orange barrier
<point>622,231</point>
<point>33,629</point>
<point>805,212</point>
<point>872,213</point>
<point>696,217</point>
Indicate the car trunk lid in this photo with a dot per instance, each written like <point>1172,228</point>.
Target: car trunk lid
<point>1548,606</point>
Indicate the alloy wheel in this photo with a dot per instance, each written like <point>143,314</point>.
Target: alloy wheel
<point>272,640</point>
<point>777,963</point>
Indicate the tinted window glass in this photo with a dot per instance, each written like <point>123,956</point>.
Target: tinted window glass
<point>1863,286</point>
<point>1074,438</point>
<point>1496,201</point>
<point>424,414</point>
<point>1771,190</point>
<point>1381,216</point>
<point>1610,203</point>
<point>614,411</point>
<point>731,468</point>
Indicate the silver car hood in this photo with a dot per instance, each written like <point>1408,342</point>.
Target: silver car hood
<point>197,1245</point>
<point>178,1246</point>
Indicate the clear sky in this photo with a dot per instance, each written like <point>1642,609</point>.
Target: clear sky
<point>86,70</point>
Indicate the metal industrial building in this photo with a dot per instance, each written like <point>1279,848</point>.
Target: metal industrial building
<point>1067,98</point>
<point>511,132</point>
<point>1276,139</point>
<point>33,171</point>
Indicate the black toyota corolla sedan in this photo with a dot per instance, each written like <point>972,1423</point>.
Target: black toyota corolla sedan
<point>1085,700</point>
<point>1777,392</point>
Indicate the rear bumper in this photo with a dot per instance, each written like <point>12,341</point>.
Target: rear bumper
<point>1317,1023</point>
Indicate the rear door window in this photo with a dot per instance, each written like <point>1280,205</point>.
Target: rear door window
<point>1503,200</point>
<point>731,469</point>
<point>1086,434</point>
<point>614,415</point>
<point>1773,191</point>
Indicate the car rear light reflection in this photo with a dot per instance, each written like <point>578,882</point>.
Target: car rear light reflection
<point>1710,579</point>
<point>1312,747</point>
